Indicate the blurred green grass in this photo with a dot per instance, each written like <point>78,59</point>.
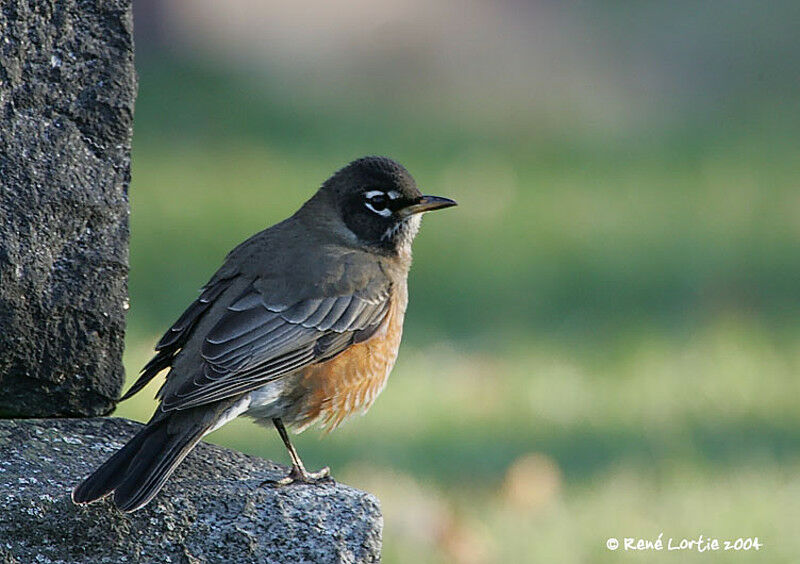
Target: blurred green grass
<point>554,233</point>
<point>625,309</point>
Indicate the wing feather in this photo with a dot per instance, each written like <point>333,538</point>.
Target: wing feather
<point>324,309</point>
<point>256,342</point>
<point>335,313</point>
<point>301,311</point>
<point>176,337</point>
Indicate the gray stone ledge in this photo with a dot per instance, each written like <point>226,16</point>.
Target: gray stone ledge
<point>211,510</point>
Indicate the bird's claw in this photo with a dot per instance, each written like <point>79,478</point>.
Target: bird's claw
<point>301,476</point>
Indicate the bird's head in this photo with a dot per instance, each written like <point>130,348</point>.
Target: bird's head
<point>377,203</point>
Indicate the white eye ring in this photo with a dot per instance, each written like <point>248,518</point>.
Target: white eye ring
<point>385,212</point>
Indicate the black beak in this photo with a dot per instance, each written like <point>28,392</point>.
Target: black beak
<point>426,204</point>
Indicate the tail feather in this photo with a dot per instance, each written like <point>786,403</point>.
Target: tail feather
<point>157,461</point>
<point>137,472</point>
<point>106,478</point>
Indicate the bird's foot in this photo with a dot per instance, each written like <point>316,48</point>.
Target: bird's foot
<point>299,475</point>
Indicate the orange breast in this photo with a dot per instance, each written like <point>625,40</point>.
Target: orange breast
<point>350,382</point>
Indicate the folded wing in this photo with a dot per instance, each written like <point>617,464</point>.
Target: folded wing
<point>256,342</point>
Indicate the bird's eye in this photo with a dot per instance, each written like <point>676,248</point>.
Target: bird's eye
<point>378,202</point>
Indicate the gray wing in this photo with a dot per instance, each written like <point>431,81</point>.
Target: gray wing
<point>256,342</point>
<point>177,335</point>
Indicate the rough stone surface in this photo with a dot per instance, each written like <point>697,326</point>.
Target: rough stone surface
<point>212,509</point>
<point>67,88</point>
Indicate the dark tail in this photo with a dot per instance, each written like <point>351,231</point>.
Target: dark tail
<point>137,471</point>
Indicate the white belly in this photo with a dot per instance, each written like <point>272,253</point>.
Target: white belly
<point>263,403</point>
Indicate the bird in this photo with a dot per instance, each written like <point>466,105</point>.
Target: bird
<point>300,325</point>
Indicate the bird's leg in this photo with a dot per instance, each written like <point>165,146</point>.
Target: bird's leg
<point>298,472</point>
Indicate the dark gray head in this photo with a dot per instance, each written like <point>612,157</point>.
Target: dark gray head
<point>378,202</point>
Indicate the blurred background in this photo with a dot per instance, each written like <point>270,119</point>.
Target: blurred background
<point>603,340</point>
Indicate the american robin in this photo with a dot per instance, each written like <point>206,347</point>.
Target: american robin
<point>300,325</point>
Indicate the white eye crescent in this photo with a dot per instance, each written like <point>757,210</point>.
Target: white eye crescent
<point>385,212</point>
<point>377,201</point>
